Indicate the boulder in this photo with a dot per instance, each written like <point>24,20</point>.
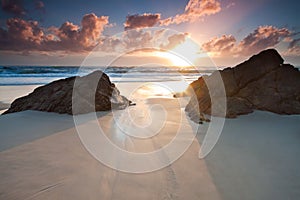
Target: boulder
<point>74,95</point>
<point>261,83</point>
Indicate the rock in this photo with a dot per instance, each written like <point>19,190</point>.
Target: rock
<point>132,104</point>
<point>261,83</point>
<point>93,92</point>
<point>203,118</point>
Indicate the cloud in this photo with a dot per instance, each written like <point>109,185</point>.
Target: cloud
<point>141,21</point>
<point>27,36</point>
<point>294,48</point>
<point>135,39</point>
<point>141,40</point>
<point>231,4</point>
<point>131,40</point>
<point>194,10</point>
<point>72,37</point>
<point>14,7</point>
<point>111,44</point>
<point>92,27</point>
<point>174,40</point>
<point>221,45</point>
<point>261,38</point>
<point>39,5</point>
<point>22,35</point>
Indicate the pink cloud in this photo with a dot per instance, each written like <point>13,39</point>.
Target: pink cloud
<point>22,35</point>
<point>141,40</point>
<point>223,44</point>
<point>194,10</point>
<point>28,36</point>
<point>174,40</point>
<point>261,38</point>
<point>111,44</point>
<point>128,41</point>
<point>141,21</point>
<point>92,27</point>
<point>135,39</point>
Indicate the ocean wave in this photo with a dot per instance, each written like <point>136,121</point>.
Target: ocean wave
<point>36,75</point>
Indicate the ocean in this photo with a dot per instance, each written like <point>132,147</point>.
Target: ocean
<point>39,75</point>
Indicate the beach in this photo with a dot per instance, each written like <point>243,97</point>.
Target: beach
<point>10,92</point>
<point>42,156</point>
<point>155,100</point>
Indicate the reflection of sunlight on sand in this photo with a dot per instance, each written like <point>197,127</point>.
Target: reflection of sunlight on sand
<point>144,120</point>
<point>140,91</point>
<point>151,90</point>
<point>156,115</point>
<point>166,119</point>
<point>150,114</point>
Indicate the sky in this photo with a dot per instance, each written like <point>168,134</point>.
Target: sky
<point>137,32</point>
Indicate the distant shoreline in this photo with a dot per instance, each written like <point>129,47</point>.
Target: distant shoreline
<point>39,75</point>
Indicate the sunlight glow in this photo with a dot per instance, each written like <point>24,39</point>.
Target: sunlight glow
<point>173,58</point>
<point>188,50</point>
<point>182,55</point>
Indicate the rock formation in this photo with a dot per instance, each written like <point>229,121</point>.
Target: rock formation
<point>261,83</point>
<point>93,92</point>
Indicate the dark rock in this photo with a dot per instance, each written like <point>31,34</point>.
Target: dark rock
<point>203,118</point>
<point>132,104</point>
<point>74,95</point>
<point>207,120</point>
<point>261,83</point>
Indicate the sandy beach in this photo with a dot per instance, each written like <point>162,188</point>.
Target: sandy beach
<point>10,92</point>
<point>155,100</point>
<point>256,157</point>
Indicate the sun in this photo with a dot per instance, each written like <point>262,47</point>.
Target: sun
<point>174,59</point>
<point>182,55</point>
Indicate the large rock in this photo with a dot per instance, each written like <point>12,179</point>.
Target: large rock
<point>261,83</point>
<point>90,93</point>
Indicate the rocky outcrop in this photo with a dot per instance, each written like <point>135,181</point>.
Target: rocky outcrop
<point>74,95</point>
<point>261,83</point>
